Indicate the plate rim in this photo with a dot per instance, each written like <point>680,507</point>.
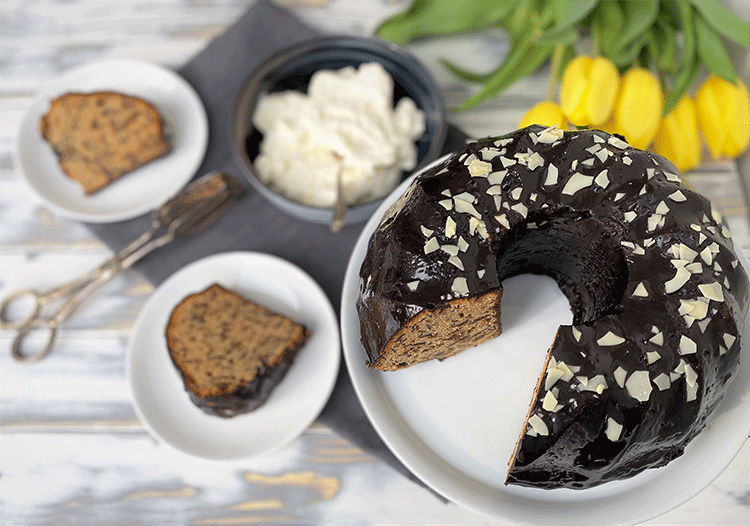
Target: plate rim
<point>237,258</point>
<point>394,435</point>
<point>59,85</point>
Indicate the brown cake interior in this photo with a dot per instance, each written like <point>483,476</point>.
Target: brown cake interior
<point>443,331</point>
<point>99,137</point>
<point>221,341</point>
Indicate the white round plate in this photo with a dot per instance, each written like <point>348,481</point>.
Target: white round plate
<point>157,389</point>
<point>141,190</point>
<point>454,423</point>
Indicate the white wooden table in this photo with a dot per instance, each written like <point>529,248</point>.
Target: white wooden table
<point>71,448</point>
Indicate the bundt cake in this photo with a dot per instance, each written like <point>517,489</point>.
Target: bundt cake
<point>657,294</point>
<point>99,137</point>
<point>230,351</point>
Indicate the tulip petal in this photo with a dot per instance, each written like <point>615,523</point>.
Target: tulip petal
<point>738,136</point>
<point>639,107</point>
<point>545,113</point>
<point>604,82</point>
<point>711,99</point>
<point>678,139</point>
<point>574,89</point>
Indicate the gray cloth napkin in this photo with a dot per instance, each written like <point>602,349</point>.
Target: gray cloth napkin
<point>217,73</point>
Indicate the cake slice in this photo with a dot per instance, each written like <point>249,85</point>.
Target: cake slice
<point>230,351</point>
<point>99,137</point>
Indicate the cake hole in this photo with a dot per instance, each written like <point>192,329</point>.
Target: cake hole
<point>592,274</point>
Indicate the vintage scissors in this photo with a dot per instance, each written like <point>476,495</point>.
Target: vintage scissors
<point>191,211</point>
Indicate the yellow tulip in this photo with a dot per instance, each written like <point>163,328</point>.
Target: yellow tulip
<point>609,126</point>
<point>724,116</point>
<point>678,139</point>
<point>639,107</point>
<point>588,90</point>
<point>546,113</point>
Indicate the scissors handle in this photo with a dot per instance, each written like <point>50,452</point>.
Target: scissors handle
<point>32,325</point>
<point>15,298</point>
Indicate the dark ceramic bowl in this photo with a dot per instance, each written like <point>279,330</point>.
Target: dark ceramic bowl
<point>292,68</point>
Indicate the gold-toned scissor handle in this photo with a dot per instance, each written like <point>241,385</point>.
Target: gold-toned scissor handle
<point>14,298</point>
<point>32,325</point>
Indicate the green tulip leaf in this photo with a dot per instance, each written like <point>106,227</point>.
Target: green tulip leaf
<point>687,20</point>
<point>521,61</point>
<point>666,39</point>
<point>670,13</point>
<point>426,18</point>
<point>712,52</point>
<point>607,23</point>
<point>681,86</point>
<point>639,17</point>
<point>724,21</point>
<point>568,13</point>
<point>571,36</point>
<point>689,63</point>
<point>518,23</point>
<point>467,75</point>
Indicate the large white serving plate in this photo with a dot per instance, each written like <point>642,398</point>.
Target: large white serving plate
<point>454,423</point>
<point>158,392</point>
<point>146,187</point>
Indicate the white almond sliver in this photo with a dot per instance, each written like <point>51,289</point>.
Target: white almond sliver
<point>638,386</point>
<point>712,291</point>
<point>577,182</point>
<point>552,175</point>
<point>431,246</point>
<point>479,168</point>
<point>613,430</point>
<point>680,278</point>
<point>687,346</point>
<point>602,179</point>
<point>450,227</point>
<point>662,208</point>
<point>550,402</point>
<point>657,339</point>
<point>496,177</point>
<point>456,262</point>
<point>465,207</point>
<point>678,197</point>
<point>610,339</point>
<point>652,356</point>
<point>662,382</point>
<point>640,291</point>
<point>460,287</point>
<point>620,374</point>
<point>538,425</point>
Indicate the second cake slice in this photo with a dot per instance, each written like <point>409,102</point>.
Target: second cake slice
<point>230,351</point>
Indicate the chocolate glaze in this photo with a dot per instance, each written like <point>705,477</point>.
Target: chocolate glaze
<point>247,397</point>
<point>657,294</point>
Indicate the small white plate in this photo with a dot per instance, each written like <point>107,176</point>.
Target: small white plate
<point>454,423</point>
<point>141,190</point>
<point>157,389</point>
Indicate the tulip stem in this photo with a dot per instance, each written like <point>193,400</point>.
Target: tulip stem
<point>554,72</point>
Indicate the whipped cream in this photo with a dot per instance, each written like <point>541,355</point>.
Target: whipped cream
<point>346,121</point>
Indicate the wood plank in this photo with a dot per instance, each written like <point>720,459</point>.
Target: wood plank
<point>74,478</point>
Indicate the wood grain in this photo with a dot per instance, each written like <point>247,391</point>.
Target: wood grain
<point>71,448</point>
